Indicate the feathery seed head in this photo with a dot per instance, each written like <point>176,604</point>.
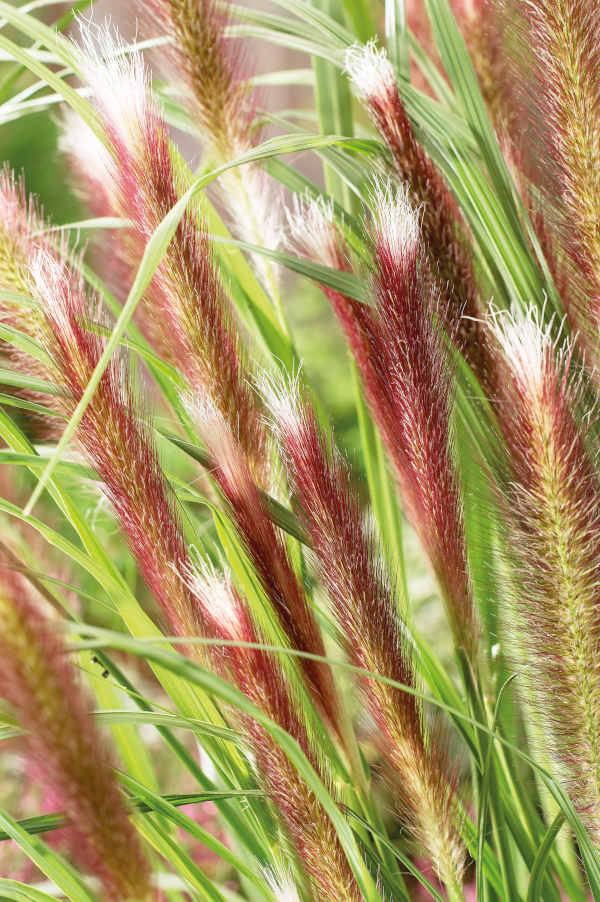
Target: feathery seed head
<point>65,746</point>
<point>187,311</point>
<point>418,418</point>
<point>120,83</point>
<point>220,100</point>
<point>266,548</point>
<point>551,502</point>
<point>116,440</point>
<point>260,677</point>
<point>366,610</point>
<point>187,314</point>
<point>448,259</point>
<point>213,68</point>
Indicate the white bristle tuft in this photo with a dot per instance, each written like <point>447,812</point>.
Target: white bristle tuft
<point>370,70</point>
<point>397,219</point>
<point>119,79</point>
<point>313,230</point>
<point>215,592</point>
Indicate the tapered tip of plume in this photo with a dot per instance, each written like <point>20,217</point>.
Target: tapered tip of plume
<point>397,222</point>
<point>119,80</point>
<point>52,282</point>
<point>216,593</point>
<point>313,230</point>
<point>214,431</point>
<point>370,70</point>
<point>82,146</point>
<point>283,400</point>
<point>282,887</point>
<point>528,344</point>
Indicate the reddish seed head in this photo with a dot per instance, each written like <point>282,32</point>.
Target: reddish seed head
<point>554,55</point>
<point>187,314</point>
<point>367,615</point>
<point>266,548</point>
<point>70,756</point>
<point>407,373</point>
<point>419,368</point>
<point>260,677</point>
<point>115,439</point>
<point>448,257</point>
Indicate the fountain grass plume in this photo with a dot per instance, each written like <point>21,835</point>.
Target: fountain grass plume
<point>267,550</point>
<point>187,313</point>
<point>551,504</point>
<point>444,238</point>
<point>261,678</point>
<point>366,610</point>
<point>60,738</point>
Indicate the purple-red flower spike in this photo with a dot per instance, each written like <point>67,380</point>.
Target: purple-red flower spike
<point>367,614</point>
<point>448,256</point>
<point>266,548</point>
<point>62,742</point>
<point>551,502</point>
<point>420,372</point>
<point>117,443</point>
<point>260,677</point>
<point>406,368</point>
<point>187,313</point>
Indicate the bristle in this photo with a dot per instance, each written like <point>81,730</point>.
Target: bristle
<point>449,261</point>
<point>551,503</point>
<point>367,615</point>
<point>62,742</point>
<point>283,888</point>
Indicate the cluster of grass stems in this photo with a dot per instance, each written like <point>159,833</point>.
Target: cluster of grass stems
<point>214,667</point>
